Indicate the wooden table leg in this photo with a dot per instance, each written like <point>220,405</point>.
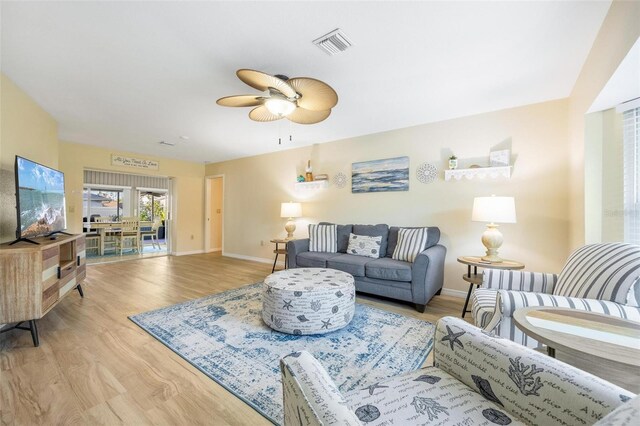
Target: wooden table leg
<point>102,233</point>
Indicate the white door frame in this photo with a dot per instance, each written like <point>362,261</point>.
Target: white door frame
<point>208,213</point>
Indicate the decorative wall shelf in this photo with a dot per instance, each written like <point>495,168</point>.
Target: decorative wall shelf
<point>312,186</point>
<point>480,173</point>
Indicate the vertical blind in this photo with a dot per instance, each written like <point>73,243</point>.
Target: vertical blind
<point>631,142</point>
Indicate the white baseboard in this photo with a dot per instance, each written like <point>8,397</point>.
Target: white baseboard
<point>454,293</point>
<point>213,250</point>
<point>252,258</point>
<point>187,253</point>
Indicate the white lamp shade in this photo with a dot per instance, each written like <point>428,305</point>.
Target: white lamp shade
<point>291,210</point>
<point>494,209</point>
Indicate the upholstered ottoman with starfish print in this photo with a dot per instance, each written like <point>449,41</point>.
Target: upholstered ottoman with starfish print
<point>308,300</point>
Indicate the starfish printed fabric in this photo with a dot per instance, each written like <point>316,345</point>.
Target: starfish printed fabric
<point>483,381</point>
<point>453,338</point>
<point>308,300</point>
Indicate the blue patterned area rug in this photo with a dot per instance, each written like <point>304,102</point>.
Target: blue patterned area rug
<point>224,337</point>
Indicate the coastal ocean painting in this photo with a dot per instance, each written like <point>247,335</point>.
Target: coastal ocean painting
<point>390,174</point>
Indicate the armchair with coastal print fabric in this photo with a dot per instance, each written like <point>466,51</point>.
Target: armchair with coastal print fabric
<point>477,379</point>
<point>602,278</point>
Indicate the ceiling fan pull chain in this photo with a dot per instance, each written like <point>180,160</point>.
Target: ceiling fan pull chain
<point>290,138</point>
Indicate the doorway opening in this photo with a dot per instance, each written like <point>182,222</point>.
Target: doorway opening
<point>214,214</point>
<point>125,216</point>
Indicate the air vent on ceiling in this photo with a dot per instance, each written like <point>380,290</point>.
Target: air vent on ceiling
<point>167,143</point>
<point>333,42</point>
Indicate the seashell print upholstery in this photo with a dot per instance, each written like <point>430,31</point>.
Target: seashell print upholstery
<point>477,379</point>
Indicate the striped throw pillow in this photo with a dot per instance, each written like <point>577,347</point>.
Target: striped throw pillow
<point>323,238</point>
<point>411,242</point>
<point>601,271</point>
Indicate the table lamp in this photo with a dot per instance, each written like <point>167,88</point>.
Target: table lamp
<point>493,209</point>
<point>290,211</point>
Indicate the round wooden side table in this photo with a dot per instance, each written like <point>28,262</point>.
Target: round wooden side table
<point>279,251</point>
<point>476,278</point>
<point>603,345</point>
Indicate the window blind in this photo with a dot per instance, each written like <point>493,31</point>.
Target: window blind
<point>631,172</point>
<point>122,179</point>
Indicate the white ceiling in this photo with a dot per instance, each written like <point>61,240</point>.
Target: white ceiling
<point>126,75</point>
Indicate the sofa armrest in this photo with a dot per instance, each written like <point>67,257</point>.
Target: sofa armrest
<point>427,274</point>
<point>508,301</point>
<point>519,280</point>
<point>310,396</point>
<point>517,378</point>
<point>294,247</point>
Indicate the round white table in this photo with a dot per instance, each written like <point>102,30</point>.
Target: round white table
<point>308,300</point>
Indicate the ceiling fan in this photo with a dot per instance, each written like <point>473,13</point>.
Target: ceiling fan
<point>301,100</point>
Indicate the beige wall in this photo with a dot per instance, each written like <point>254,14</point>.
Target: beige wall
<point>536,134</point>
<point>26,130</point>
<point>187,181</point>
<point>619,31</point>
<point>215,214</point>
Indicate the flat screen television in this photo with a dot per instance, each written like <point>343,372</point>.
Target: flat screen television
<point>39,199</point>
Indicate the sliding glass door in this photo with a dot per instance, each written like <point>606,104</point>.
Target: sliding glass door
<point>103,203</point>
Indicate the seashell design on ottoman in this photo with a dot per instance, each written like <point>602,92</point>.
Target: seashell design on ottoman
<point>308,301</point>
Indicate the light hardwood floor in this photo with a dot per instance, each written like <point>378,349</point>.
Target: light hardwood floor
<point>94,366</point>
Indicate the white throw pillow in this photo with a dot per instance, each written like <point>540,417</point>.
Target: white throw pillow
<point>362,245</point>
<point>411,242</point>
<point>323,238</point>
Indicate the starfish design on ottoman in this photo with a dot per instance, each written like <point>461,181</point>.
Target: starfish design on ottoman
<point>324,300</point>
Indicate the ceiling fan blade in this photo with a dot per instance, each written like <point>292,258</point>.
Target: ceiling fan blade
<point>261,81</point>
<point>262,114</point>
<point>316,95</point>
<point>241,101</point>
<point>307,116</point>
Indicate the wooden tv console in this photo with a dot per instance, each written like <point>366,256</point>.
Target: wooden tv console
<point>34,278</point>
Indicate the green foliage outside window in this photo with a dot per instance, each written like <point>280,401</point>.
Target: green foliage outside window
<point>151,208</point>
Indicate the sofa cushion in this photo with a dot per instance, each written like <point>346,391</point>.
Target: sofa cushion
<point>314,259</point>
<point>323,238</point>
<point>388,269</point>
<point>353,265</point>
<point>433,237</point>
<point>411,242</point>
<point>381,230</point>
<point>362,245</point>
<point>343,236</point>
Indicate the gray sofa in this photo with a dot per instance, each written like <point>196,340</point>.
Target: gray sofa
<point>415,282</point>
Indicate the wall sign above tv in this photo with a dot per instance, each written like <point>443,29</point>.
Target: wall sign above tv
<point>139,163</point>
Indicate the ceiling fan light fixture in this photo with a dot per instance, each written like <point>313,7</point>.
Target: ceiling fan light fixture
<point>280,106</point>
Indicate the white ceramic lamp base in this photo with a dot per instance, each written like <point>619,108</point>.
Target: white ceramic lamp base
<point>492,240</point>
<point>290,227</point>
